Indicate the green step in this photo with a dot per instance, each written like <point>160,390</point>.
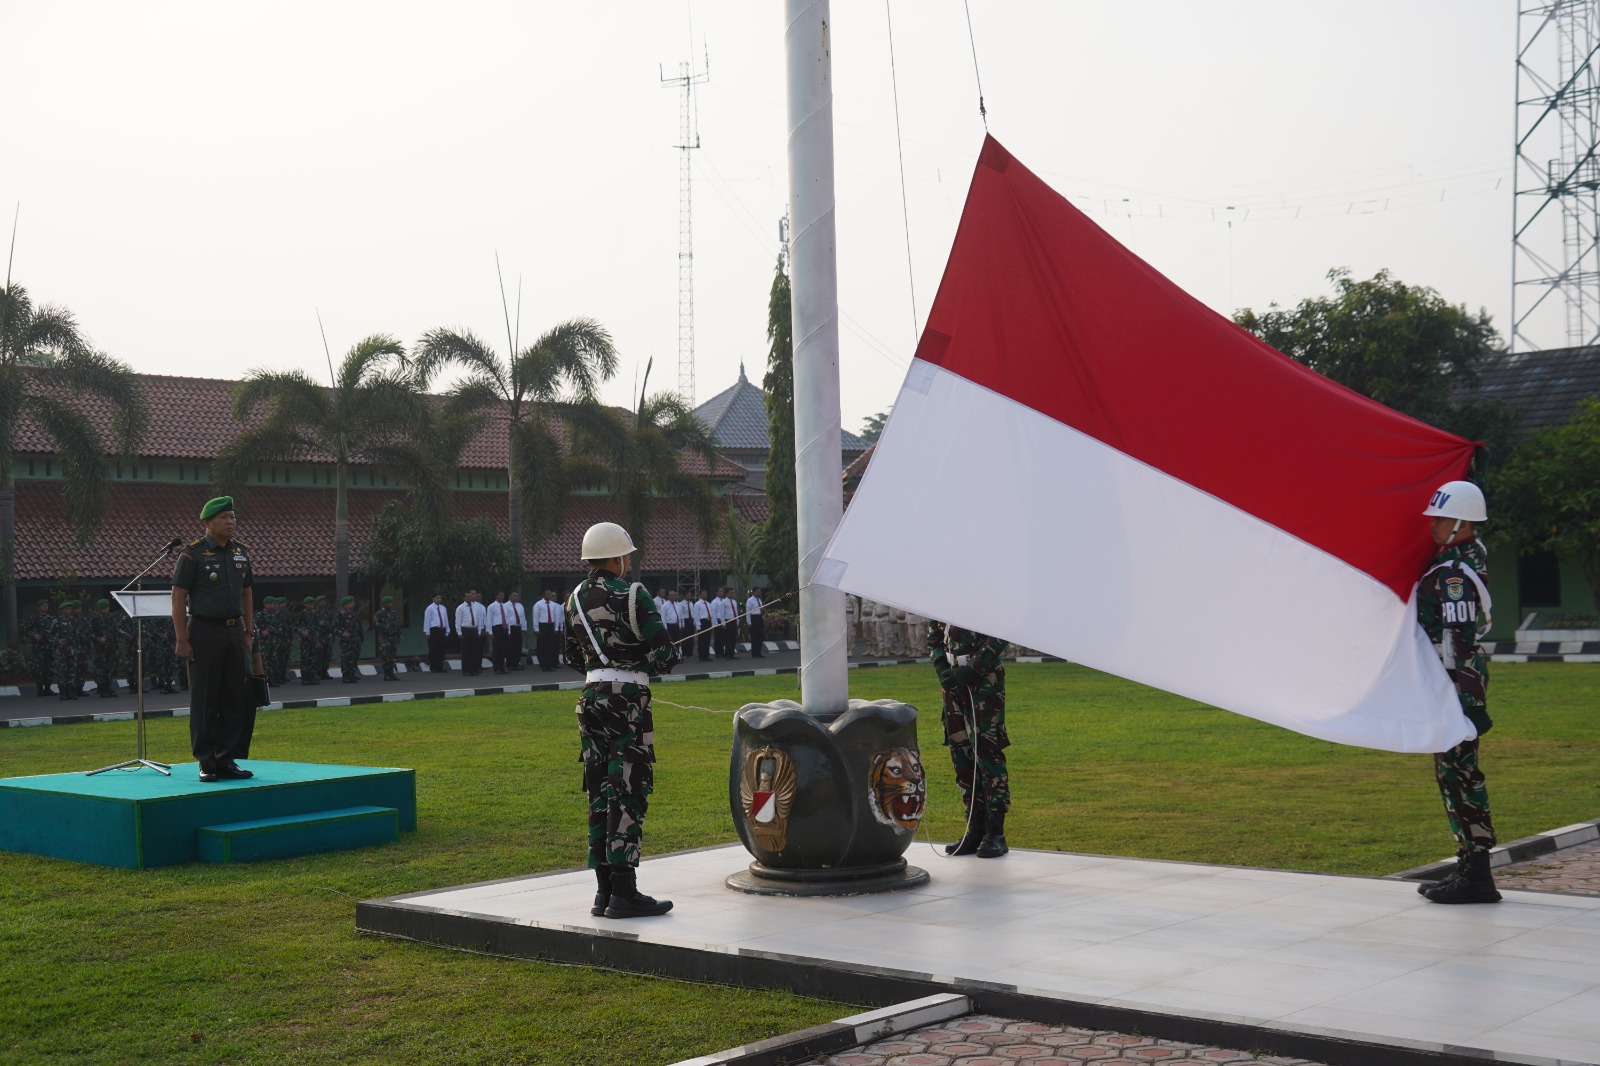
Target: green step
<point>298,834</point>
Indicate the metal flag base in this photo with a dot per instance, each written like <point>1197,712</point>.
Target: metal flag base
<point>761,880</point>
<point>158,767</point>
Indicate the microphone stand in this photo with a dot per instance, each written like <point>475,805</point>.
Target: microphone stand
<point>138,628</point>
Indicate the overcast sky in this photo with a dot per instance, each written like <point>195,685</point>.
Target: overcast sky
<point>197,180</point>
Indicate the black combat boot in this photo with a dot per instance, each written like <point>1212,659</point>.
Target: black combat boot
<point>1474,885</point>
<point>1452,874</point>
<point>993,844</point>
<point>41,690</point>
<point>970,838</point>
<point>626,900</point>
<point>602,894</point>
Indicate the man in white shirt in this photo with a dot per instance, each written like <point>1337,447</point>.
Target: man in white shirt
<point>700,611</point>
<point>758,625</point>
<point>544,628</point>
<point>480,614</point>
<point>499,632</point>
<point>556,609</point>
<point>727,626</point>
<point>516,626</point>
<point>679,626</point>
<point>471,634</point>
<point>661,599</point>
<point>436,627</point>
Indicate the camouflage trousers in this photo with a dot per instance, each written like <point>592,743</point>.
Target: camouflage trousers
<point>349,658</point>
<point>987,714</point>
<point>617,744</point>
<point>386,653</point>
<point>1466,797</point>
<point>69,665</point>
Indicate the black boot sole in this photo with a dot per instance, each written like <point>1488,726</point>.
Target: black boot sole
<point>623,909</point>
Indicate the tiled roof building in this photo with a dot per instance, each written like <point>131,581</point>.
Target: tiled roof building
<point>1544,387</point>
<point>286,511</point>
<point>737,418</point>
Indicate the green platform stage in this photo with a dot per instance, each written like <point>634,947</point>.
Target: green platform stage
<point>141,818</point>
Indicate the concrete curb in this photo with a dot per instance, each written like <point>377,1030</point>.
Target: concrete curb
<point>1546,843</point>
<point>841,1035</point>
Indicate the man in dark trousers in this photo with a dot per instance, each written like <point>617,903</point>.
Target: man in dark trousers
<point>517,629</point>
<point>467,624</point>
<point>544,627</point>
<point>436,627</point>
<point>758,625</point>
<point>700,610</point>
<point>212,615</point>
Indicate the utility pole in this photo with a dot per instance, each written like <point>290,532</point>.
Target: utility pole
<point>688,140</point>
<point>1555,228</point>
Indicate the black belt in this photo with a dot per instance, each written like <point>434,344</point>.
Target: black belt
<point>215,621</point>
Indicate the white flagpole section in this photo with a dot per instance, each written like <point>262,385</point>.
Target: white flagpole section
<point>814,296</point>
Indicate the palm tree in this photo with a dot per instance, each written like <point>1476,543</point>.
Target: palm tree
<point>556,378</point>
<point>374,413</point>
<point>45,365</point>
<point>642,462</point>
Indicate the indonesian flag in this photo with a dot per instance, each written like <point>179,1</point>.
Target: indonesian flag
<point>1086,460</point>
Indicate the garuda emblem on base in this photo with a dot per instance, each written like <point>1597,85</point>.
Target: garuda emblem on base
<point>766,792</point>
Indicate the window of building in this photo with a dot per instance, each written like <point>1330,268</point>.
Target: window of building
<point>1539,580</point>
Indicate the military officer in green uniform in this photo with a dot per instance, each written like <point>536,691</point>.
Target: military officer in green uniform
<point>285,644</point>
<point>266,632</point>
<point>973,678</point>
<point>39,630</point>
<point>386,634</point>
<point>214,619</point>
<point>1453,608</point>
<point>616,640</point>
<point>68,651</point>
<point>348,626</point>
<point>327,634</point>
<point>102,629</point>
<point>310,648</point>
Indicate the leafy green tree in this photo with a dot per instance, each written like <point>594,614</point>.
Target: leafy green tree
<point>872,428</point>
<point>46,367</point>
<point>1402,345</point>
<point>374,413</point>
<point>780,539</point>
<point>408,553</point>
<point>640,459</point>
<point>1547,496</point>
<point>557,378</point>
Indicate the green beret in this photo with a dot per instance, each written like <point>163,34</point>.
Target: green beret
<point>388,599</point>
<point>102,603</point>
<point>309,599</point>
<point>42,603</point>
<point>70,603</point>
<point>321,599</point>
<point>346,599</point>
<point>216,507</point>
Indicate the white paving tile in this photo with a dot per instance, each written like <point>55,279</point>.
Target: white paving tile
<point>1364,956</point>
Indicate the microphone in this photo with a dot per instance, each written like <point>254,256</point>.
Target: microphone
<point>175,542</point>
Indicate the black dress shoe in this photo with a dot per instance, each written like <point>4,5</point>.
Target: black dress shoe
<point>208,776</point>
<point>234,772</point>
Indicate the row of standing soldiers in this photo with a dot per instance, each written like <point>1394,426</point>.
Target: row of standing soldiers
<point>77,643</point>
<point>319,631</point>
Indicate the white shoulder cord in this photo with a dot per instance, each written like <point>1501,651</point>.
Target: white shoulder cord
<point>583,616</point>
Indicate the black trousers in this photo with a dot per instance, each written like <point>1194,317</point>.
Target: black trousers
<point>499,648</point>
<point>705,641</point>
<point>220,722</point>
<point>547,649</point>
<point>758,636</point>
<point>471,650</point>
<point>436,649</point>
<point>514,648</point>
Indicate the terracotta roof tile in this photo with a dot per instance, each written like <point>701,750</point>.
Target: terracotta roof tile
<point>290,530</point>
<point>192,418</point>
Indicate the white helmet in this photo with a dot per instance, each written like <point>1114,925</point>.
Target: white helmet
<point>1461,500</point>
<point>607,540</point>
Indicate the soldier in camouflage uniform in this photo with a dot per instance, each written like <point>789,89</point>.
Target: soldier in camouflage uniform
<point>327,635</point>
<point>266,623</point>
<point>127,648</point>
<point>350,633</point>
<point>39,631</point>
<point>102,630</point>
<point>281,650</point>
<point>973,678</point>
<point>386,637</point>
<point>1453,609</point>
<point>616,640</point>
<point>310,648</point>
<point>69,651</point>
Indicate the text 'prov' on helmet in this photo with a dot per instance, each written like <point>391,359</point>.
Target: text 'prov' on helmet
<point>1458,499</point>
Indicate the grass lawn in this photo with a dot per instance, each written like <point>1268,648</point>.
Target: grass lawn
<point>261,963</point>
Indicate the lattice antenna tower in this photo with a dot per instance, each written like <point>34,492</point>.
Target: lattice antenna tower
<point>1555,229</point>
<point>688,141</point>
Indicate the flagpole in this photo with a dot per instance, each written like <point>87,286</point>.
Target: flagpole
<point>819,493</point>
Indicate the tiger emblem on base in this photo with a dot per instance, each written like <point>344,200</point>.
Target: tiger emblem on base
<point>897,790</point>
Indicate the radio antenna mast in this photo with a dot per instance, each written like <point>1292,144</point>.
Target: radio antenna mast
<point>688,140</point>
